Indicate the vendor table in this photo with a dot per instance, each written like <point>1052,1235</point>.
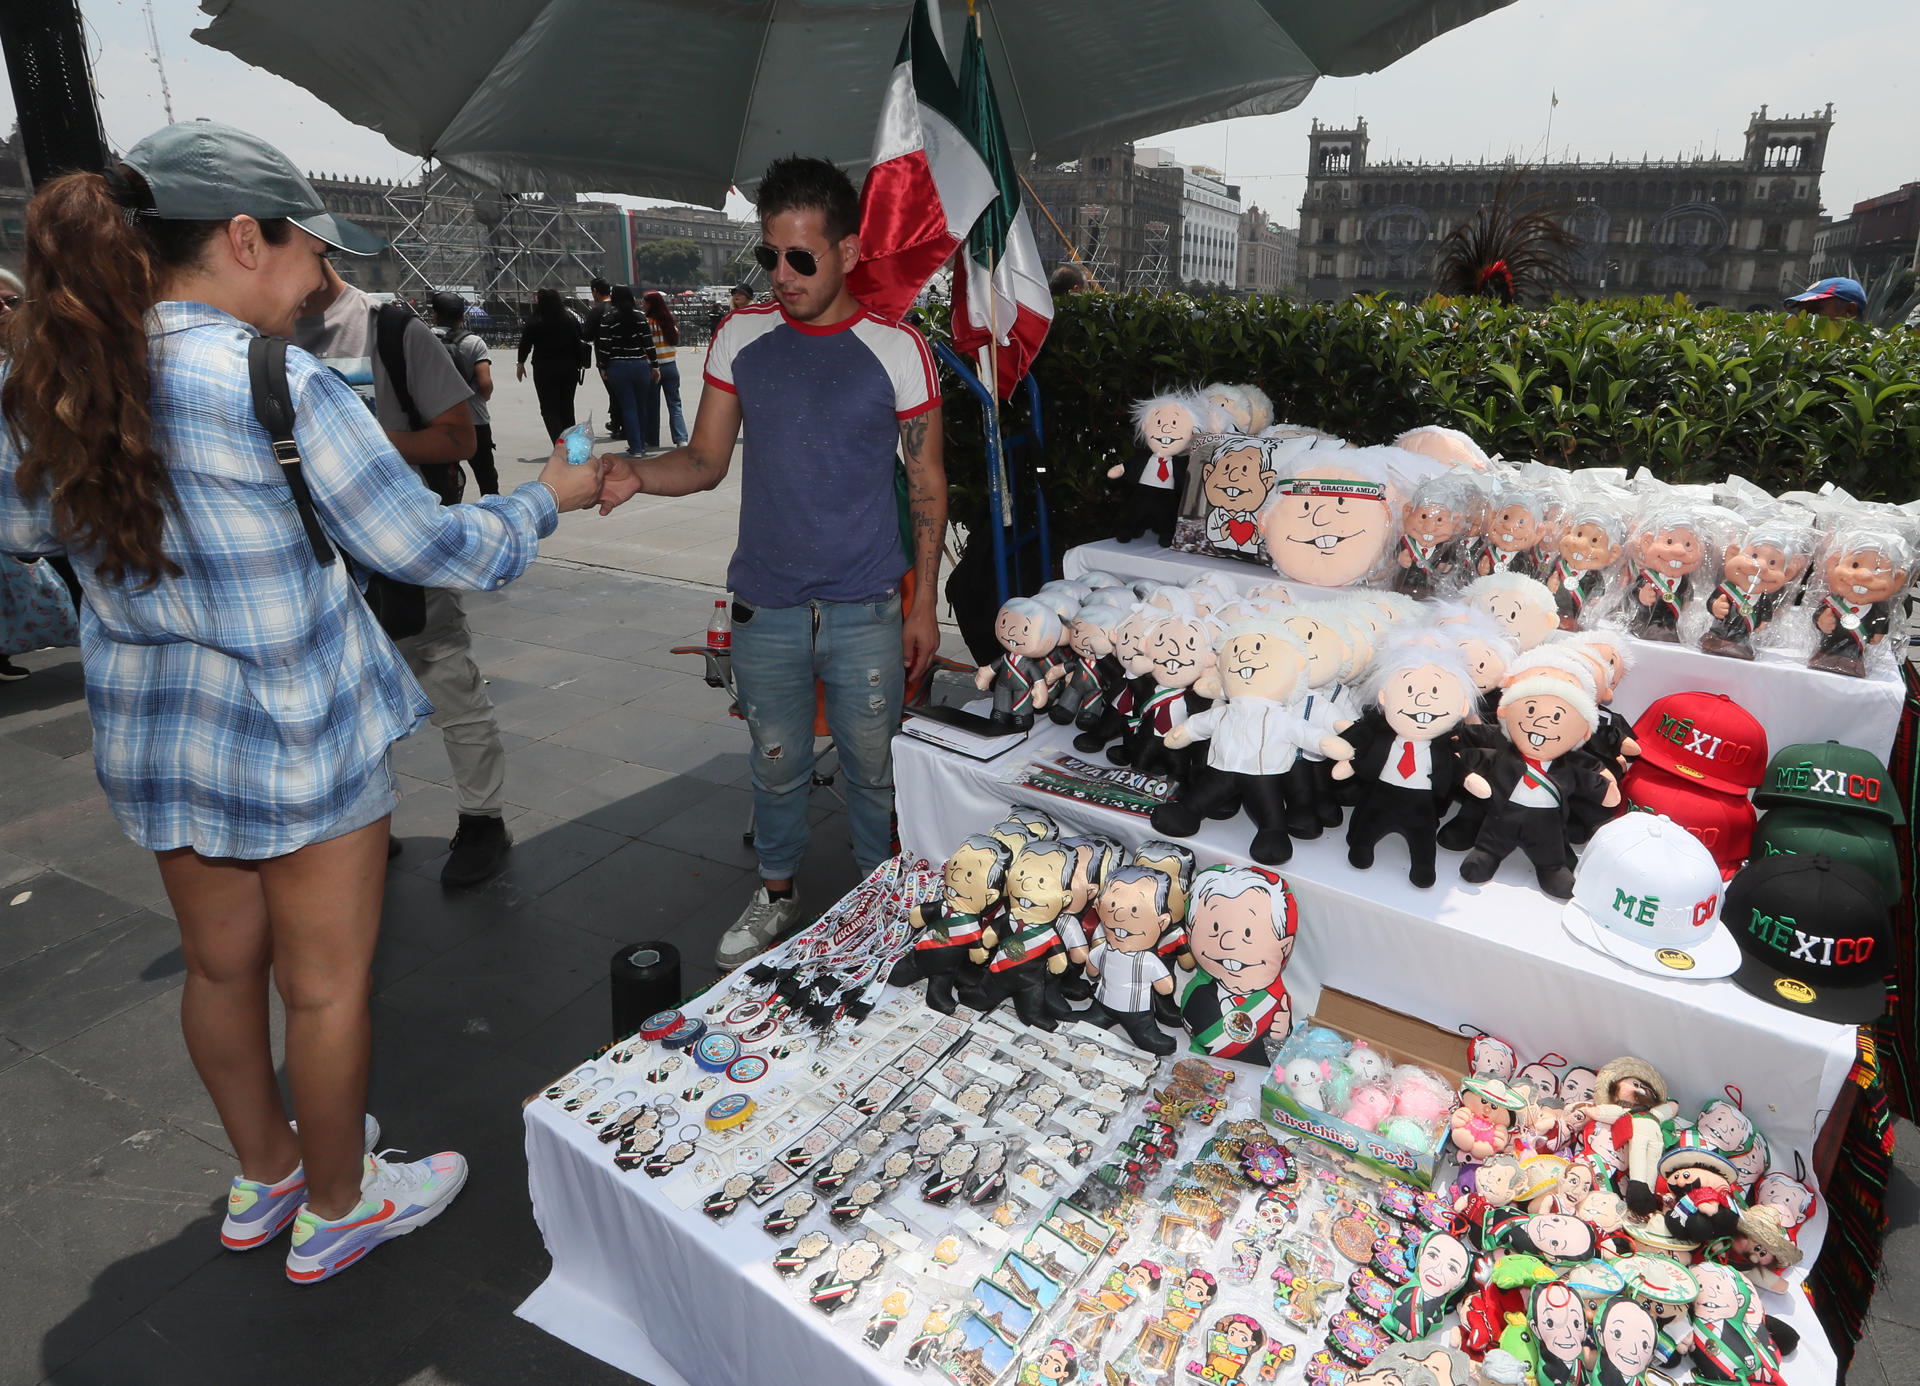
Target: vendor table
<point>1794,703</point>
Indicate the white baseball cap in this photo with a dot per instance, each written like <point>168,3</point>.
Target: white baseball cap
<point>1648,893</point>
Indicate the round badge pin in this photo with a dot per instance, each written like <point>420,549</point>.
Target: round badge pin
<point>727,1112</point>
<point>659,1024</point>
<point>715,1051</point>
<point>684,1034</point>
<point>748,1068</point>
<point>765,1028</point>
<point>745,1014</point>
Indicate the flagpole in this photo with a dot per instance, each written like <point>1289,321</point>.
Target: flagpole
<point>990,353</point>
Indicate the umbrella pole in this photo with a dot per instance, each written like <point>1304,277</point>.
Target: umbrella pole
<point>990,364</point>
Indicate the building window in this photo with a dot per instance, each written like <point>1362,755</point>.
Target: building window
<point>1774,237</point>
<point>1326,234</point>
<point>1325,266</point>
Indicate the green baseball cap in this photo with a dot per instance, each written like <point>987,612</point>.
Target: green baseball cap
<point>200,170</point>
<point>1852,838</point>
<point>1826,774</point>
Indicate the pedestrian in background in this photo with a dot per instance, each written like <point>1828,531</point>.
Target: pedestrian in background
<point>552,338</point>
<point>244,699</point>
<point>475,364</point>
<point>603,304</point>
<point>666,343</point>
<point>624,341</point>
<point>11,292</point>
<point>742,296</point>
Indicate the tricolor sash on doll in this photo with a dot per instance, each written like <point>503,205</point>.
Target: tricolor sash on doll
<point>1035,941</point>
<point>1849,617</point>
<point>949,930</point>
<point>1241,1023</point>
<point>1740,605</point>
<point>1666,589</point>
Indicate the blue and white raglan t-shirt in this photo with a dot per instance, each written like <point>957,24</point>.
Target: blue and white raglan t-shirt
<point>822,408</point>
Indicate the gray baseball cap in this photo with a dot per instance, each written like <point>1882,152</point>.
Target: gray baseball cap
<point>200,170</point>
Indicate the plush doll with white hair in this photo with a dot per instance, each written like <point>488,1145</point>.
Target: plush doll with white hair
<point>1406,748</point>
<point>1533,780</point>
<point>1523,606</point>
<point>1028,631</point>
<point>1156,476</point>
<point>1253,737</point>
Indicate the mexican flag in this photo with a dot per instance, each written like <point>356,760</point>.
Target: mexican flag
<point>1010,301</point>
<point>927,184</point>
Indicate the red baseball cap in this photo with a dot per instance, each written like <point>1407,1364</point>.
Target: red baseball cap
<point>1705,739</point>
<point>1722,822</point>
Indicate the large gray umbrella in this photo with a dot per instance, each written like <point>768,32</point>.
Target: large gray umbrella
<point>680,98</point>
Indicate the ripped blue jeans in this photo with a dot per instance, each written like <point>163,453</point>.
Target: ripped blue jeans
<point>854,649</point>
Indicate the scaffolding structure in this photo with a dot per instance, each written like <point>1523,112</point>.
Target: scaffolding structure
<point>1150,275</point>
<point>1097,253</point>
<point>490,244</point>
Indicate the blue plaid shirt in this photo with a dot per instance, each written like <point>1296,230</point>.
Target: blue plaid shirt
<point>240,707</point>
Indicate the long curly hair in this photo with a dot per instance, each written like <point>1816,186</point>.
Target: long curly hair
<point>77,394</point>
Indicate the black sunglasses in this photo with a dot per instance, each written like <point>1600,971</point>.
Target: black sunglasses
<point>11,301</point>
<point>801,262</point>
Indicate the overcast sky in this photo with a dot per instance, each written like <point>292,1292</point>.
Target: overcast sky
<point>1660,77</point>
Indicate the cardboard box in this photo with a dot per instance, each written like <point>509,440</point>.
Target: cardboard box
<point>1403,1040</point>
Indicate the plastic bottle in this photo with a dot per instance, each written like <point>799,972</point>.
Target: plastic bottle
<point>720,629</point>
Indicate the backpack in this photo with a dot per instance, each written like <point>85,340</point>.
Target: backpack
<point>447,480</point>
<point>399,607</point>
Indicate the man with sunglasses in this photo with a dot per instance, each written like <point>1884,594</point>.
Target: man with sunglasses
<point>829,393</point>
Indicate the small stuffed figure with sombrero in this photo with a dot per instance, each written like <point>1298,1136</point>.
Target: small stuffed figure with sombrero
<point>1482,1126</point>
<point>1760,1246</point>
<point>1696,1188</point>
<point>1628,1128</point>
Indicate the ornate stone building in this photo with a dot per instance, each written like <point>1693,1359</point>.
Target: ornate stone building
<point>1108,203</point>
<point>1737,232</point>
<point>1880,234</point>
<point>1269,255</point>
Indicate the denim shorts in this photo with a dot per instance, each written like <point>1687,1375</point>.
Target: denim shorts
<point>376,799</point>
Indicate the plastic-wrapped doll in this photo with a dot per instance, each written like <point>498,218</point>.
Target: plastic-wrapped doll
<point>1023,950</point>
<point>1522,605</point>
<point>1531,783</point>
<point>1866,569</point>
<point>1135,910</point>
<point>1253,738</point>
<point>1094,859</point>
<point>1089,675</point>
<point>1668,549</point>
<point>1432,555</point>
<point>974,882</point>
<point>1181,652</point>
<point>1028,631</point>
<point>1177,861</point>
<point>1591,545</point>
<point>1442,1274</point>
<point>1754,581</point>
<point>1632,1091</point>
<point>1241,928</point>
<point>943,1185</point>
<point>1236,481</point>
<point>1405,752</point>
<point>1326,633</point>
<point>1625,1337</point>
<point>1156,476</point>
<point>853,1265</point>
<point>1516,514</point>
<point>1482,1126</point>
<point>1331,521</point>
<point>1127,667</point>
<point>1722,1347</point>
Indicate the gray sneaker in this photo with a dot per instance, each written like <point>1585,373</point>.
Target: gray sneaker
<point>762,923</point>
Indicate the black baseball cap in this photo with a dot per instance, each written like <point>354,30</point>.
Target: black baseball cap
<point>1829,775</point>
<point>201,170</point>
<point>1814,936</point>
<point>1853,838</point>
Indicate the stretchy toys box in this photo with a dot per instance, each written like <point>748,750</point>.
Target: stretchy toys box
<point>1401,1039</point>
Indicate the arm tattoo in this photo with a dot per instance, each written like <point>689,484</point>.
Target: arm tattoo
<point>926,504</point>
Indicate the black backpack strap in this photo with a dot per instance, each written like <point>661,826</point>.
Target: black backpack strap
<point>273,406</point>
<point>390,334</point>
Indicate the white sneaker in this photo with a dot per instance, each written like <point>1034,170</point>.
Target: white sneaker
<point>762,922</point>
<point>394,1200</point>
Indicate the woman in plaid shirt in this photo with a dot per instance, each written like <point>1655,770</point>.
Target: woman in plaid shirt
<point>243,697</point>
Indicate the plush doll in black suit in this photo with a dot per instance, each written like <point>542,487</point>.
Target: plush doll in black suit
<point>1156,476</point>
<point>1015,958</point>
<point>1180,650</point>
<point>1530,783</point>
<point>1088,676</point>
<point>1406,751</point>
<point>1128,667</point>
<point>951,924</point>
<point>1488,650</point>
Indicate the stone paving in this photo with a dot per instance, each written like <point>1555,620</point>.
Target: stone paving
<point>627,796</point>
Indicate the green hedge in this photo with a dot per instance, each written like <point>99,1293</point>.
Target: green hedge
<point>1694,394</point>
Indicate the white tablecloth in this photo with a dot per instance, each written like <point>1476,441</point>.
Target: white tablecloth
<point>1794,703</point>
<point>1492,957</point>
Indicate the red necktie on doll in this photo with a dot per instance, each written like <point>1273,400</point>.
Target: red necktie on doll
<point>1165,474</point>
<point>1405,767</point>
